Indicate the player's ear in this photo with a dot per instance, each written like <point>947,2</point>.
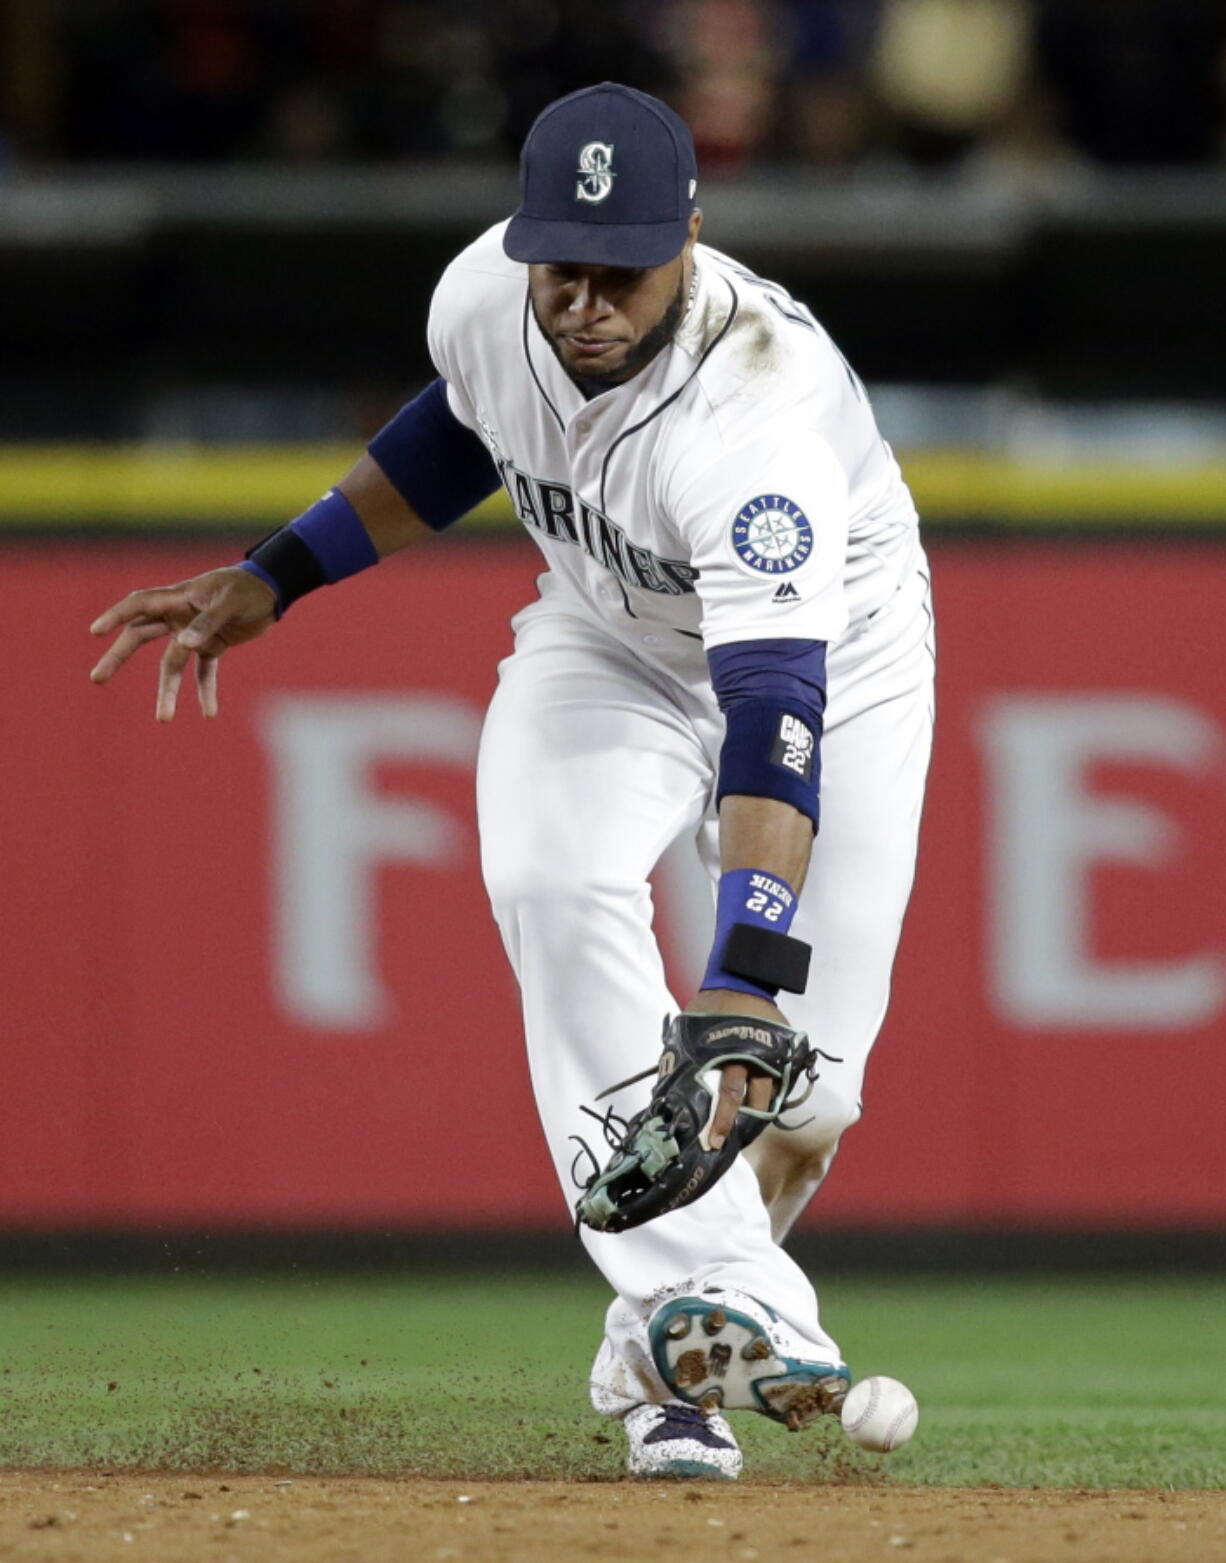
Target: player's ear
<point>695,226</point>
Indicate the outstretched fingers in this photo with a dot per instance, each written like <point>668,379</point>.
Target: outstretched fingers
<point>206,682</point>
<point>132,638</point>
<point>174,660</point>
<point>196,615</point>
<point>138,608</point>
<point>170,676</point>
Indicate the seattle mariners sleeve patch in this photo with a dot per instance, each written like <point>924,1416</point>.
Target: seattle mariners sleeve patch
<point>771,535</point>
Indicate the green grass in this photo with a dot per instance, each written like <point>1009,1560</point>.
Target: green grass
<point>1113,1383</point>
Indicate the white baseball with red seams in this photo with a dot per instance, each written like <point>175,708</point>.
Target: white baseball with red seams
<point>880,1413</point>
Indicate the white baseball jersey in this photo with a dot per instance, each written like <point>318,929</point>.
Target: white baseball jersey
<point>735,489</point>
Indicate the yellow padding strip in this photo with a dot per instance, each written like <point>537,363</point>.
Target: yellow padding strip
<point>82,483</point>
<point>951,484</point>
<point>79,485</point>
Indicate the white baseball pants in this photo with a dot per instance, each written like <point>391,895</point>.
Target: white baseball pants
<point>592,763</point>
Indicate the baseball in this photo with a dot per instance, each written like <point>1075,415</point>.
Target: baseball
<point>880,1413</point>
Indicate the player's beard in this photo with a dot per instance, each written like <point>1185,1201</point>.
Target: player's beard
<point>639,356</point>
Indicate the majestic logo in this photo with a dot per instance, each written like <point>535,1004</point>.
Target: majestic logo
<point>772,535</point>
<point>786,593</point>
<point>596,173</point>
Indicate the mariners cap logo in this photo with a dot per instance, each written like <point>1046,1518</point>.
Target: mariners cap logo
<point>772,535</point>
<point>596,174</point>
<point>604,174</point>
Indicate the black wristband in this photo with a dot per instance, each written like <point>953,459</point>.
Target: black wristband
<point>772,960</point>
<point>291,564</point>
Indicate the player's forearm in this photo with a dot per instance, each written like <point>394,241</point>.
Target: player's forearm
<point>772,693</point>
<point>390,519</point>
<point>764,850</point>
<point>765,834</point>
<point>423,471</point>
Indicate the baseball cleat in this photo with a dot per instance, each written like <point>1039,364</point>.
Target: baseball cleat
<point>717,1356</point>
<point>670,1442</point>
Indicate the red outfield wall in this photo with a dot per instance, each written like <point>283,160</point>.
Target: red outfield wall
<point>233,952</point>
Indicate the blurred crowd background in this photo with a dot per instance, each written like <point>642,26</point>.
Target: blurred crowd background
<point>974,86</point>
<point>221,220</point>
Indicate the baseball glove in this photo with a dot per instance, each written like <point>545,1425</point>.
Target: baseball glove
<point>662,1158</point>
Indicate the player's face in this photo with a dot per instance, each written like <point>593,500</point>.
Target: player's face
<point>605,323</point>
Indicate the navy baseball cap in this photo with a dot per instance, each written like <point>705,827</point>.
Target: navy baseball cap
<point>607,176</point>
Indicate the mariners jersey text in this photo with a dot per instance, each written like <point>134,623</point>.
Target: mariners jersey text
<point>554,509</point>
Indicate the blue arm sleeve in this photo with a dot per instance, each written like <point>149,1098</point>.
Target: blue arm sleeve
<point>428,456</point>
<point>773,696</point>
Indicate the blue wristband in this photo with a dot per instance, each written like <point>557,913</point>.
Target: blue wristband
<point>752,896</point>
<point>325,544</point>
<point>333,531</point>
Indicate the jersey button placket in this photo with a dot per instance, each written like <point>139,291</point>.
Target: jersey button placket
<point>584,420</point>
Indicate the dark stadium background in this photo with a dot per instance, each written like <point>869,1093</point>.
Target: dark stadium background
<point>220,223</point>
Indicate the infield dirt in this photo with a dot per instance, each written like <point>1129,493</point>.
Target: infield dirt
<point>89,1517</point>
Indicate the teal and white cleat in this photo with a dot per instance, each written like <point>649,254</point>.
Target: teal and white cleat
<point>725,1351</point>
<point>670,1442</point>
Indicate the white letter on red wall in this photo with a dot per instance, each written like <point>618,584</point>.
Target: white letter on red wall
<point>333,832</point>
<point>1046,830</point>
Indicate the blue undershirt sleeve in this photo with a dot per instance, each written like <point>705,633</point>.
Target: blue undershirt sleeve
<point>773,696</point>
<point>433,461</point>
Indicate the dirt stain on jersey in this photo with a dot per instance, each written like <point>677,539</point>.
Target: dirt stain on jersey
<point>754,346</point>
<point>757,343</point>
<point>750,350</point>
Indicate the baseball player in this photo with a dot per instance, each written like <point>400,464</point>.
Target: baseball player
<point>733,623</point>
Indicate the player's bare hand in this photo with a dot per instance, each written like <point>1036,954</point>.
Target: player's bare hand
<point>199,618</point>
<point>738,1088</point>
